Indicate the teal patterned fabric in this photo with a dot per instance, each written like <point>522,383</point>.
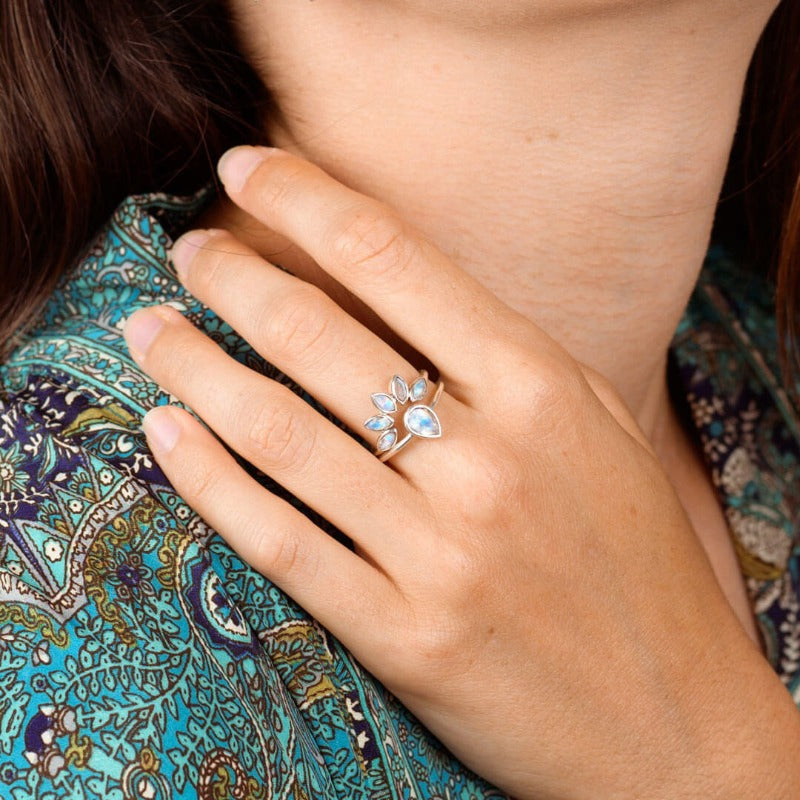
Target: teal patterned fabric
<point>140,658</point>
<point>726,354</point>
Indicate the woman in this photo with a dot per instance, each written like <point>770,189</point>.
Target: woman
<point>549,586</point>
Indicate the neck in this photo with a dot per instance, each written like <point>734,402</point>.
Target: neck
<point>569,153</point>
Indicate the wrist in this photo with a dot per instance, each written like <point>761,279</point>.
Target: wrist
<point>752,746</point>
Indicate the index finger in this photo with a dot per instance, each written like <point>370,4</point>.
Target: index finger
<point>430,302</point>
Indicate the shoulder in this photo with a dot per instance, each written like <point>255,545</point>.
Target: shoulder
<point>70,383</point>
<point>73,460</point>
<point>123,618</point>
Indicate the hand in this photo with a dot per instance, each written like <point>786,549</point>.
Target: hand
<point>529,584</point>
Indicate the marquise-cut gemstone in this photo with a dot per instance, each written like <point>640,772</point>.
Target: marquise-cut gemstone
<point>379,422</point>
<point>399,389</point>
<point>384,402</point>
<point>418,388</point>
<point>387,440</point>
<point>422,421</point>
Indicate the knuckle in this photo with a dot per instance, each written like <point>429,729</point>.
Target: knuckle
<point>492,483</point>
<point>556,408</point>
<point>461,567</point>
<point>200,482</point>
<point>212,259</point>
<point>298,327</point>
<point>429,640</point>
<point>551,383</point>
<point>437,644</point>
<point>277,439</point>
<point>278,555</point>
<point>376,241</point>
<point>279,183</point>
<point>177,354</point>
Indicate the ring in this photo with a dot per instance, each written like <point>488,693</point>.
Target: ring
<point>419,420</point>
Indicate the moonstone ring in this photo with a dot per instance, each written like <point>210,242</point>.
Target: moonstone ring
<point>419,420</point>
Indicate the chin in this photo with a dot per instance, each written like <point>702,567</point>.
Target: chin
<point>495,13</point>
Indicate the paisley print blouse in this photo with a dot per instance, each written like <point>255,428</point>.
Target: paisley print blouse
<point>140,658</point>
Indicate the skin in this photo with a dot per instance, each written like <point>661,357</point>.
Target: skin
<point>590,137</point>
<point>558,224</point>
<point>560,574</point>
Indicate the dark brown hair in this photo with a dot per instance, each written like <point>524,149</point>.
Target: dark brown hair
<point>760,204</point>
<point>99,100</point>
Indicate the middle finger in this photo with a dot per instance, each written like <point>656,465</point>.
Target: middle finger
<point>434,305</point>
<point>296,326</point>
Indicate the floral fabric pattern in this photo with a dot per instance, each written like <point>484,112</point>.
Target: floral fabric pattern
<point>749,429</point>
<point>140,658</point>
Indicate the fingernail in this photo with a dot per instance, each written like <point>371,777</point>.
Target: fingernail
<point>161,428</point>
<point>236,166</point>
<point>185,249</point>
<point>142,327</point>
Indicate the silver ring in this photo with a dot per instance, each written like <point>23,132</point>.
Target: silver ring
<point>419,420</point>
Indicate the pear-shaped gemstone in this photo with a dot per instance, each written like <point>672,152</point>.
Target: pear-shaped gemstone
<point>418,389</point>
<point>387,440</point>
<point>422,421</point>
<point>384,402</point>
<point>399,389</point>
<point>380,422</point>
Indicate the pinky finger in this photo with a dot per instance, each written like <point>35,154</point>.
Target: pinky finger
<point>332,583</point>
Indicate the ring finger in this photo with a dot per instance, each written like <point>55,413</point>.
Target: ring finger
<point>278,432</point>
<point>297,327</point>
